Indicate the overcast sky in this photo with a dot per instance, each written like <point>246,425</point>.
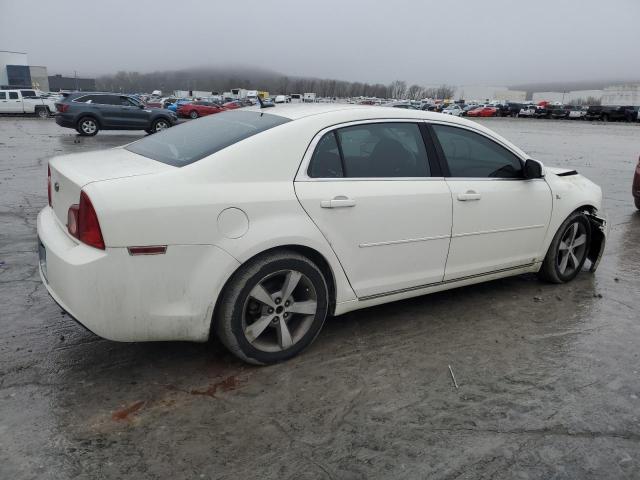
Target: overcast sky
<point>495,42</point>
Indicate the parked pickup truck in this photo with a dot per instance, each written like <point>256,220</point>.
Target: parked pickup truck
<point>26,101</point>
<point>606,113</point>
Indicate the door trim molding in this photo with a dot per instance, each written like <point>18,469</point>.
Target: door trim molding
<point>444,282</point>
<point>501,230</point>
<point>408,240</point>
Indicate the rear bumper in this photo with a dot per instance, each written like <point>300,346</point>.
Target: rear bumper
<point>133,298</point>
<point>66,121</point>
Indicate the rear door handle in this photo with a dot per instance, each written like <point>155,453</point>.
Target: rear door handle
<point>469,196</point>
<point>338,202</point>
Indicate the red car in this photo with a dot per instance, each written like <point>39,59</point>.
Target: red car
<point>483,112</point>
<point>199,109</point>
<point>233,105</point>
<point>635,189</point>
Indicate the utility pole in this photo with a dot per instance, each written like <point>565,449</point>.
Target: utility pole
<point>75,75</point>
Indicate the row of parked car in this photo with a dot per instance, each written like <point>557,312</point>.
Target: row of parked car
<point>546,110</point>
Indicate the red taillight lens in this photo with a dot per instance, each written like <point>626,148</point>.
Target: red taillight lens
<point>82,223</point>
<point>49,183</point>
<point>62,107</point>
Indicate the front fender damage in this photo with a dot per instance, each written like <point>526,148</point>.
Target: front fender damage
<point>599,232</point>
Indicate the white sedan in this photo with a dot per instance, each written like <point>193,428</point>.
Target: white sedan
<point>256,224</point>
<point>455,110</point>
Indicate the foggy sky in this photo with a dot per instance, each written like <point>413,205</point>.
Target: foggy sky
<point>491,42</point>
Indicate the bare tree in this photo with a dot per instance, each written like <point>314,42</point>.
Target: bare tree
<point>398,89</point>
<point>415,92</point>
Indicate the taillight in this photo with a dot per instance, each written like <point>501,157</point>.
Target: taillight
<point>49,183</point>
<point>62,107</point>
<point>83,224</point>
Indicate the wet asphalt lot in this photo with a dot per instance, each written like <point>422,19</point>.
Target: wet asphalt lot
<point>549,376</point>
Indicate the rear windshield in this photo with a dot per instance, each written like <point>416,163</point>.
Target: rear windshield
<point>192,141</point>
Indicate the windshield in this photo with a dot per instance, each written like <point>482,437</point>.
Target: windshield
<point>190,142</point>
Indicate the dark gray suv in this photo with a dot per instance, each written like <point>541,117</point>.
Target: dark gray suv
<point>89,112</point>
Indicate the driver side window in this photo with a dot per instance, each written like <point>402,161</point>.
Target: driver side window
<point>472,155</point>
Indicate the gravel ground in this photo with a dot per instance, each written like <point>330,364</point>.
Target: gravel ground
<point>549,376</point>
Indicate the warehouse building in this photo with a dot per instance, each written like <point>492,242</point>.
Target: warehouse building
<point>621,95</point>
<point>14,69</point>
<point>58,83</point>
<point>481,93</point>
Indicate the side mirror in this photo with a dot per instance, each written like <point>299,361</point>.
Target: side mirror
<point>533,169</point>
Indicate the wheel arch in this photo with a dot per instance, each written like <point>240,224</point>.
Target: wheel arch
<point>311,253</point>
<point>89,115</point>
<point>598,232</point>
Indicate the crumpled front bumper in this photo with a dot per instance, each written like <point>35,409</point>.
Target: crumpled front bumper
<point>599,232</point>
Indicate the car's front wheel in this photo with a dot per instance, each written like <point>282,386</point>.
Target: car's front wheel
<point>159,125</point>
<point>87,126</point>
<point>272,308</point>
<point>568,250</point>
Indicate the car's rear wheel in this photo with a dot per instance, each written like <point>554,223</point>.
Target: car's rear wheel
<point>637,202</point>
<point>568,250</point>
<point>159,125</point>
<point>272,308</point>
<point>193,114</point>
<point>42,112</point>
<point>87,126</point>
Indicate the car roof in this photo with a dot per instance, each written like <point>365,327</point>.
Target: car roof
<point>328,114</point>
<point>360,112</point>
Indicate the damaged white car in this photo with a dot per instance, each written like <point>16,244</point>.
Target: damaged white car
<point>256,224</point>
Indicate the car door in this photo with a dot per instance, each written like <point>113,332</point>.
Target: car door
<point>4,102</point>
<point>132,115</point>
<point>499,218</point>
<point>378,197</point>
<point>107,107</point>
<point>13,102</point>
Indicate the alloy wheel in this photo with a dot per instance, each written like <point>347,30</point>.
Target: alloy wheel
<point>279,311</point>
<point>88,126</point>
<point>161,125</point>
<point>572,249</point>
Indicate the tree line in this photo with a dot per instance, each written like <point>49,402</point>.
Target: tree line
<point>223,80</point>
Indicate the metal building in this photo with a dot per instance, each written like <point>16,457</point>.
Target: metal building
<point>14,69</point>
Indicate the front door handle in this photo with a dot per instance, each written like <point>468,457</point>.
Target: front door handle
<point>338,202</point>
<point>468,196</point>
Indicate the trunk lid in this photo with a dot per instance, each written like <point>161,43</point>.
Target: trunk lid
<point>70,173</point>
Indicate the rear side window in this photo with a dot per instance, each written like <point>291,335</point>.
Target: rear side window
<point>88,99</point>
<point>378,150</point>
<point>472,155</point>
<point>3,95</point>
<point>13,95</point>
<point>190,142</point>
<point>326,161</point>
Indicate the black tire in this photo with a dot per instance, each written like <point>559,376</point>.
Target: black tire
<point>42,112</point>
<point>552,266</point>
<point>605,118</point>
<point>230,319</point>
<point>87,126</point>
<point>159,125</point>
<point>637,202</point>
<point>194,114</point>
